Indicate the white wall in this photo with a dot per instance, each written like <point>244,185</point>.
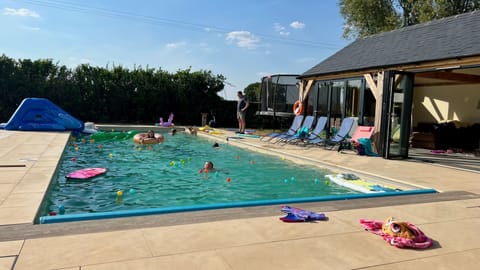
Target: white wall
<point>438,104</point>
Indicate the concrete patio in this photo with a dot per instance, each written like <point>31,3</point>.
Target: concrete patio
<point>239,238</point>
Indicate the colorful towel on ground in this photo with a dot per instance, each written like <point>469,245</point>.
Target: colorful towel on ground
<point>299,215</point>
<point>398,234</point>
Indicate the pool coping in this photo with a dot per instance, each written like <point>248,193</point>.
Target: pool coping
<point>179,209</point>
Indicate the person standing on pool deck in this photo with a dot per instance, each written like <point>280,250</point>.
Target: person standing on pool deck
<point>242,107</point>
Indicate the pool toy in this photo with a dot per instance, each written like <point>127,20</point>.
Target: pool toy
<point>299,215</point>
<point>210,130</point>
<point>169,122</point>
<point>40,114</point>
<point>248,135</point>
<point>113,135</point>
<point>90,128</point>
<point>86,173</point>
<point>61,209</point>
<point>142,138</point>
<point>397,233</point>
<point>354,182</point>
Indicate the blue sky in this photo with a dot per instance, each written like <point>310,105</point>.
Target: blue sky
<point>242,40</point>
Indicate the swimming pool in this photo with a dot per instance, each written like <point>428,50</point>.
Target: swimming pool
<point>168,178</point>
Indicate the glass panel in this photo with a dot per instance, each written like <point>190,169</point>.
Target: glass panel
<point>352,99</point>
<point>368,107</point>
<point>318,100</point>
<point>337,101</point>
<point>322,105</point>
<point>400,115</point>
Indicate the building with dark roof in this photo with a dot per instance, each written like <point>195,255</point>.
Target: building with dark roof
<point>415,78</point>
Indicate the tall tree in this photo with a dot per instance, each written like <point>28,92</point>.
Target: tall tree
<point>252,92</point>
<point>368,17</point>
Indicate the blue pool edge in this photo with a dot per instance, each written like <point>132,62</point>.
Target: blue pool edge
<point>179,209</point>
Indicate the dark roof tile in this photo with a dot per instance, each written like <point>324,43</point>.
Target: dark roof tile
<point>451,37</point>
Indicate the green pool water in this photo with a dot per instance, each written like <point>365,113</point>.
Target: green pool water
<point>168,175</point>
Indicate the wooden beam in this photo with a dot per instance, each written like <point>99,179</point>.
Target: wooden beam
<point>300,89</point>
<point>398,80</point>
<point>307,89</point>
<point>450,76</point>
<point>378,112</point>
<point>371,83</point>
<point>457,62</point>
<point>461,62</point>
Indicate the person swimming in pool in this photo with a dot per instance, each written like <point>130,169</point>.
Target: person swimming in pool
<point>150,134</point>
<point>208,166</point>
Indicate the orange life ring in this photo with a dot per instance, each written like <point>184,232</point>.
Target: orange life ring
<point>298,107</point>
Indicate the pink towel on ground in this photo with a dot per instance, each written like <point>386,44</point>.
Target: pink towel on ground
<point>417,238</point>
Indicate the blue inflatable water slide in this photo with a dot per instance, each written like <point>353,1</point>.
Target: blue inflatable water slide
<point>40,114</point>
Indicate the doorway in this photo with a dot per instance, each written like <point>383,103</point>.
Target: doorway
<point>396,114</point>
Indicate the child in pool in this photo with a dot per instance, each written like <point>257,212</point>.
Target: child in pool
<point>208,166</point>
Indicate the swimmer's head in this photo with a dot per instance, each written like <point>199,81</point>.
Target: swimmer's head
<point>208,165</point>
<point>215,145</point>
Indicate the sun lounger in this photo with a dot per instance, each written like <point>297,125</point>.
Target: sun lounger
<point>360,132</point>
<point>296,124</point>
<point>300,134</point>
<point>339,137</point>
<point>319,128</point>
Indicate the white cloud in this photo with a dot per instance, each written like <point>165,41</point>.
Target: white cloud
<point>281,30</point>
<point>77,61</point>
<point>243,39</point>
<point>278,27</point>
<point>297,25</point>
<point>20,12</point>
<point>175,45</point>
